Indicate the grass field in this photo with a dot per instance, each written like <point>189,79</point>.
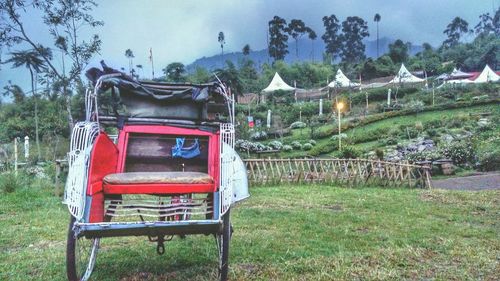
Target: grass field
<point>282,233</point>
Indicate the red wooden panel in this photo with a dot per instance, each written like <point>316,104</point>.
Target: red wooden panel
<point>103,161</point>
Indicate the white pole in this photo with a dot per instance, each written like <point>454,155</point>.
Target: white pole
<point>320,107</point>
<point>269,118</point>
<point>340,139</point>
<point>389,97</point>
<point>26,147</point>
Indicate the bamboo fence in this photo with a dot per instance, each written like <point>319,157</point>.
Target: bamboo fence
<point>349,172</point>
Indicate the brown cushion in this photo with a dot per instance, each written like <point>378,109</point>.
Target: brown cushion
<point>158,177</point>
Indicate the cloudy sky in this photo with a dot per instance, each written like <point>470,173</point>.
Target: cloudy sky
<point>184,30</point>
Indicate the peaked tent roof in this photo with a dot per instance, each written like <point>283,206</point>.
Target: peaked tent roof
<point>487,75</point>
<point>277,84</point>
<point>341,81</point>
<point>404,76</point>
<point>458,74</point>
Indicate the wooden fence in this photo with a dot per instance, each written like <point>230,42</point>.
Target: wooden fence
<point>341,171</point>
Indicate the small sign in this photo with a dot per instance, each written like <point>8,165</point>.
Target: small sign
<point>250,121</point>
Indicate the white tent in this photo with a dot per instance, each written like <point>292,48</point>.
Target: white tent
<point>404,76</point>
<point>458,74</point>
<point>487,75</point>
<point>341,81</point>
<point>277,84</point>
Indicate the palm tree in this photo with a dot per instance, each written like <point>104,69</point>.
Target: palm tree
<point>130,55</point>
<point>139,66</point>
<point>33,61</point>
<point>246,50</point>
<point>376,19</point>
<point>312,35</point>
<point>222,41</point>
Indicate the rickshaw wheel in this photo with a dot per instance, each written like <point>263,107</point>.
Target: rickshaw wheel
<point>223,240</point>
<point>81,255</point>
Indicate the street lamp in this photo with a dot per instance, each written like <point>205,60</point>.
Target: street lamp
<point>340,106</point>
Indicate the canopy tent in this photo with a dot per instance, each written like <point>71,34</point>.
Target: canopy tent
<point>277,84</point>
<point>487,75</point>
<point>341,81</point>
<point>458,74</point>
<point>404,76</point>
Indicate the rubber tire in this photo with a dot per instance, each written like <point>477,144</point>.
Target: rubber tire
<point>226,239</point>
<point>70,253</point>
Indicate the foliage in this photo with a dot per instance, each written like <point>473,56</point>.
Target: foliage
<point>297,125</point>
<point>398,51</point>
<point>415,106</point>
<point>333,41</point>
<point>174,72</point>
<point>307,146</point>
<point>258,135</point>
<point>312,142</point>
<point>277,145</point>
<point>354,30</point>
<point>461,152</point>
<point>296,145</point>
<point>9,182</point>
<point>287,147</point>
<point>454,31</point>
<point>278,46</point>
<point>488,154</point>
<point>348,152</point>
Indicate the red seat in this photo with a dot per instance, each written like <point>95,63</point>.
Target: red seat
<point>158,183</point>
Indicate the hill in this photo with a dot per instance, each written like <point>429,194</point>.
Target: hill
<point>305,53</point>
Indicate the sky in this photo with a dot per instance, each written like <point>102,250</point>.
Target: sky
<point>184,30</point>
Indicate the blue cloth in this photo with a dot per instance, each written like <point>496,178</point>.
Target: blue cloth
<point>179,151</point>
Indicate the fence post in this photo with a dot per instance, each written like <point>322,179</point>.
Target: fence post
<point>58,174</point>
<point>15,156</point>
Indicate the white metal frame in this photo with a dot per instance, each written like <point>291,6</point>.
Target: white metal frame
<point>226,166</point>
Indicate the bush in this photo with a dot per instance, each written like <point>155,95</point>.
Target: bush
<point>391,141</point>
<point>297,125</point>
<point>415,106</point>
<point>428,155</point>
<point>489,155</point>
<point>296,145</point>
<point>379,153</point>
<point>461,152</point>
<point>336,137</point>
<point>9,182</point>
<point>287,147</point>
<point>348,152</point>
<point>312,142</point>
<point>277,145</point>
<point>259,135</point>
<point>307,146</point>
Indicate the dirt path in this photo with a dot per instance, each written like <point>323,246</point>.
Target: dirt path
<point>479,182</point>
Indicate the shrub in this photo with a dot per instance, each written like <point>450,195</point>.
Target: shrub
<point>312,142</point>
<point>297,125</point>
<point>307,146</point>
<point>418,126</point>
<point>296,145</point>
<point>379,153</point>
<point>9,182</point>
<point>461,152</point>
<point>415,106</point>
<point>276,145</point>
<point>427,155</point>
<point>336,137</point>
<point>259,135</point>
<point>348,152</point>
<point>287,147</point>
<point>391,141</point>
<point>489,155</point>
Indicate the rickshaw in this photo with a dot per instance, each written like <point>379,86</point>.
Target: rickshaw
<point>171,171</point>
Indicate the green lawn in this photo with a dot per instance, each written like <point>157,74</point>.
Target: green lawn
<point>282,233</point>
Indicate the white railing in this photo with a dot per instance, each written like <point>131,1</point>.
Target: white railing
<point>226,166</point>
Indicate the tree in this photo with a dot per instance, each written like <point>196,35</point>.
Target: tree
<point>15,91</point>
<point>175,72</point>
<point>488,24</point>
<point>130,56</point>
<point>496,22</point>
<point>64,21</point>
<point>296,28</point>
<point>231,77</point>
<point>246,50</point>
<point>454,31</point>
<point>354,30</point>
<point>312,35</point>
<point>333,42</point>
<point>222,41</point>
<point>139,66</point>
<point>377,19</point>
<point>278,46</point>
<point>32,60</point>
<point>398,51</point>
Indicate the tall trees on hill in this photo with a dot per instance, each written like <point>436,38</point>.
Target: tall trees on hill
<point>296,28</point>
<point>222,40</point>
<point>312,35</point>
<point>331,37</point>
<point>454,31</point>
<point>354,29</point>
<point>130,56</point>
<point>488,24</point>
<point>64,22</point>
<point>278,39</point>
<point>398,51</point>
<point>377,19</point>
